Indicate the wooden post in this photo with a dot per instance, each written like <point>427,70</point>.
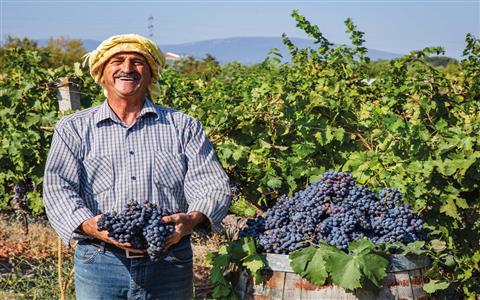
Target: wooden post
<point>68,95</point>
<point>59,269</point>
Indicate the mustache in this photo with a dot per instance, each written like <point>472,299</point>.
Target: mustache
<point>130,75</point>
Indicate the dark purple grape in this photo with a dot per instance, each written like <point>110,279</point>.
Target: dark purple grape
<point>338,211</point>
<point>20,198</point>
<point>140,225</point>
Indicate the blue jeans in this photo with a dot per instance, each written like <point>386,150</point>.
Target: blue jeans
<point>101,274</point>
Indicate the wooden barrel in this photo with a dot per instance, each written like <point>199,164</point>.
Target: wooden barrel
<point>404,280</point>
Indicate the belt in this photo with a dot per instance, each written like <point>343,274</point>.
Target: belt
<point>114,249</point>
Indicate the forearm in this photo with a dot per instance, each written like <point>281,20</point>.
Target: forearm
<point>213,210</point>
<point>89,227</point>
<point>64,206</point>
<point>63,212</point>
<point>184,224</point>
<point>206,186</point>
<point>197,218</point>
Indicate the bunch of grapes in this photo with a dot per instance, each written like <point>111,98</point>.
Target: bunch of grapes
<point>338,211</point>
<point>140,225</point>
<point>254,227</point>
<point>156,233</point>
<point>235,190</point>
<point>20,198</point>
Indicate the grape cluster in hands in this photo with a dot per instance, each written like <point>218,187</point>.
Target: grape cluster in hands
<point>156,233</point>
<point>338,211</point>
<point>140,225</point>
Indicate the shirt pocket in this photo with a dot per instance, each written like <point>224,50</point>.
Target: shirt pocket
<point>99,174</point>
<point>168,170</point>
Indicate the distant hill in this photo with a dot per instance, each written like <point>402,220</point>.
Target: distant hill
<point>246,50</point>
<point>249,50</point>
<point>90,44</point>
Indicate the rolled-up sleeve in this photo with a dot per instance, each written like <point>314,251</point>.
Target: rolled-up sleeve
<point>64,207</point>
<point>206,185</point>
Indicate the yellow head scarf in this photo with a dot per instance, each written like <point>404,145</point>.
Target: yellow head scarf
<point>128,43</point>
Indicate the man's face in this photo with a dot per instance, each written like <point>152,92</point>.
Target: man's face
<point>126,74</point>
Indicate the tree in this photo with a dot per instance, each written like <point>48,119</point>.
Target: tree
<point>58,52</point>
<point>15,42</point>
<point>204,68</point>
<point>64,51</point>
<point>440,61</point>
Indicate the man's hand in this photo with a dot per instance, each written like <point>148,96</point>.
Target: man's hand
<point>184,224</point>
<point>90,228</point>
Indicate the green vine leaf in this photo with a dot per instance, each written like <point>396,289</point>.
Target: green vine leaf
<point>299,259</point>
<point>316,272</point>
<point>255,265</point>
<point>242,253</point>
<point>248,246</point>
<point>435,285</point>
<point>216,276</point>
<point>438,245</point>
<point>415,248</point>
<point>374,268</point>
<point>345,270</point>
<point>221,292</point>
<point>360,246</point>
<point>348,271</point>
<point>309,263</point>
<point>363,268</point>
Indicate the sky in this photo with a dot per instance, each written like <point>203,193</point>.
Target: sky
<point>397,26</point>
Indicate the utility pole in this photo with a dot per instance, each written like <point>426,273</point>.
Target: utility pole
<point>150,27</point>
<point>67,93</point>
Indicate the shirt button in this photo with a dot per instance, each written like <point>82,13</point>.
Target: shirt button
<point>133,177</point>
<point>131,152</point>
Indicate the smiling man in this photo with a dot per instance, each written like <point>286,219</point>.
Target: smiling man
<point>129,148</point>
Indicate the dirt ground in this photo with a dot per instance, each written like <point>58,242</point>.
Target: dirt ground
<point>40,243</point>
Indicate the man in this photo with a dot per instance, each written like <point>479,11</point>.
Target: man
<point>129,148</point>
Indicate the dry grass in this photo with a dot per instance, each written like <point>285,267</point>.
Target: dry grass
<point>201,268</point>
<point>40,242</point>
<point>29,261</point>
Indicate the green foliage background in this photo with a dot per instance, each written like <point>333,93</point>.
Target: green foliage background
<point>278,126</point>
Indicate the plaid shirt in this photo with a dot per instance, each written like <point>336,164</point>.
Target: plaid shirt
<point>97,164</point>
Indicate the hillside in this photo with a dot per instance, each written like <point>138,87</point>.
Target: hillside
<point>246,50</point>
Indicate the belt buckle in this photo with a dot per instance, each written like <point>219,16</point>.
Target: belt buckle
<point>133,255</point>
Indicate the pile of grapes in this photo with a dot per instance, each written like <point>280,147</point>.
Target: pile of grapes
<point>338,211</point>
<point>140,225</point>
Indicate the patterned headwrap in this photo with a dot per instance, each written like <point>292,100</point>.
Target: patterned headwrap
<point>128,43</point>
